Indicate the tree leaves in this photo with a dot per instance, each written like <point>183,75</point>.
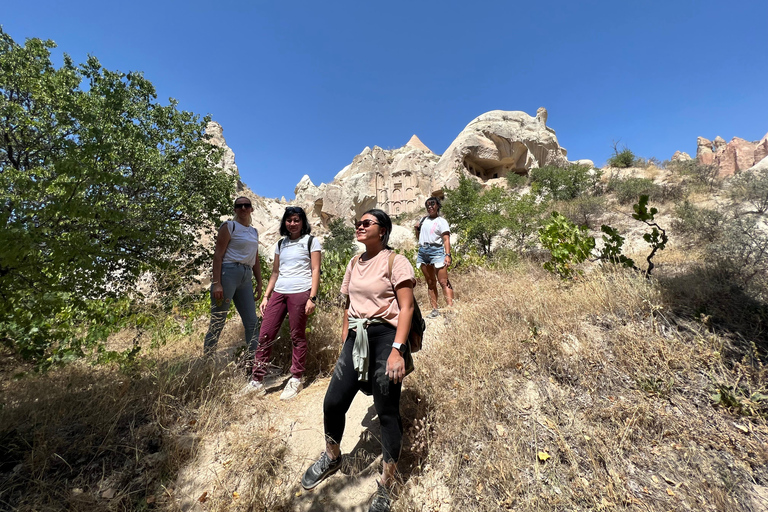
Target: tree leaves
<point>99,183</point>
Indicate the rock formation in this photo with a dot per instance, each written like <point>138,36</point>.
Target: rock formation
<point>498,143</point>
<point>732,157</point>
<point>681,156</point>
<point>396,181</point>
<point>216,134</point>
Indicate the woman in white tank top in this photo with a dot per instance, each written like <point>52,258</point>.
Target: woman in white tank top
<point>235,262</point>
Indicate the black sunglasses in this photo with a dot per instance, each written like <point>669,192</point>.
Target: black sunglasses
<point>294,209</point>
<point>365,223</point>
<point>243,205</point>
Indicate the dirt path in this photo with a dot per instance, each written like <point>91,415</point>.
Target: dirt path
<point>299,423</point>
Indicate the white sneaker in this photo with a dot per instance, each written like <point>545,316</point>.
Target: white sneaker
<point>254,388</point>
<point>292,388</point>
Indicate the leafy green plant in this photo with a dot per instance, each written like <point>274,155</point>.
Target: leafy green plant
<point>477,216</point>
<point>567,243</point>
<point>613,243</point>
<point>524,216</point>
<point>563,183</point>
<point>657,238</point>
<point>701,224</point>
<point>740,402</point>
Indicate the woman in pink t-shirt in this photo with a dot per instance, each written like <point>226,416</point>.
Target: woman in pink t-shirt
<point>377,319</point>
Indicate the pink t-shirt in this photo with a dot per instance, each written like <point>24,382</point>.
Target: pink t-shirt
<point>371,293</point>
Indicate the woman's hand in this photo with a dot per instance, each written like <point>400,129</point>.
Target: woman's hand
<point>218,292</point>
<point>263,305</point>
<point>396,366</point>
<point>309,308</point>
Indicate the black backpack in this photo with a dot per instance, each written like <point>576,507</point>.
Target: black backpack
<point>309,245</point>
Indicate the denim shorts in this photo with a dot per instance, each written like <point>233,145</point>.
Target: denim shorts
<point>431,255</point>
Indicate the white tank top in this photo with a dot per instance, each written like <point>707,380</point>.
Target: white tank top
<point>243,244</point>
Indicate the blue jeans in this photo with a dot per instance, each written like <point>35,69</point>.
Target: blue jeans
<point>238,288</point>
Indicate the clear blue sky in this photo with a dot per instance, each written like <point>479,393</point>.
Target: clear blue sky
<point>302,87</point>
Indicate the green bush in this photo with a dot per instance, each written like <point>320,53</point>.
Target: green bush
<point>524,216</point>
<point>567,243</point>
<point>627,190</point>
<point>516,180</point>
<point>700,224</point>
<point>751,187</point>
<point>561,184</point>
<point>704,176</point>
<point>583,210</point>
<point>622,159</point>
<point>341,238</point>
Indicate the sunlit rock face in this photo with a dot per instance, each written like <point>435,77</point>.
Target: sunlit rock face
<point>499,143</point>
<point>731,157</point>
<point>395,180</point>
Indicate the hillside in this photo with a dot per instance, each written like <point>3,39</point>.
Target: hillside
<point>605,392</point>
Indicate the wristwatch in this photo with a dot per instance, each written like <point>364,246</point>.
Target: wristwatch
<point>313,299</point>
<point>399,346</point>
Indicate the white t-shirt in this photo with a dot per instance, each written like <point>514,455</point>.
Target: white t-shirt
<point>432,230</point>
<point>243,244</point>
<point>295,264</point>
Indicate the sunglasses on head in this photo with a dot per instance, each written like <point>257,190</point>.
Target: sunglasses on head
<point>243,205</point>
<point>365,223</point>
<point>293,209</point>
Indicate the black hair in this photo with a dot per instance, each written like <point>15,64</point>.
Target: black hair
<point>242,197</point>
<point>295,210</point>
<point>384,222</point>
<point>433,199</point>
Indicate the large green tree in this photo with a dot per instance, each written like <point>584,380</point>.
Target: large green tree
<point>99,184</point>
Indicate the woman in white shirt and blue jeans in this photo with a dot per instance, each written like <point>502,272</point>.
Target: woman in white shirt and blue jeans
<point>235,262</point>
<point>292,290</point>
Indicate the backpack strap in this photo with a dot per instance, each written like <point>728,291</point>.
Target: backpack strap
<point>309,245</point>
<point>232,224</point>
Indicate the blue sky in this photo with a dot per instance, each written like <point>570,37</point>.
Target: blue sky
<point>302,87</point>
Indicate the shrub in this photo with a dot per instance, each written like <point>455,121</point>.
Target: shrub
<point>621,159</point>
<point>701,224</point>
<point>629,189</point>
<point>568,244</point>
<point>583,210</point>
<point>751,187</point>
<point>524,217</point>
<point>700,174</point>
<point>341,238</point>
<point>516,180</point>
<point>560,184</point>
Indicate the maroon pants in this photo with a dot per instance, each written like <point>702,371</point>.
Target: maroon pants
<point>279,304</point>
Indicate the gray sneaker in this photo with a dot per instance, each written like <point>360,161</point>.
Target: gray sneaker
<point>382,501</point>
<point>320,470</point>
<point>434,314</point>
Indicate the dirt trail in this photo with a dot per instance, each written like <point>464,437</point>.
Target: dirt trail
<point>299,423</point>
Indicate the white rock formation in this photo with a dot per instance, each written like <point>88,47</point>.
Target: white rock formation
<point>216,134</point>
<point>498,143</point>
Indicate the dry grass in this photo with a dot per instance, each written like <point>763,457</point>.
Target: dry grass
<point>600,378</point>
<point>608,378</point>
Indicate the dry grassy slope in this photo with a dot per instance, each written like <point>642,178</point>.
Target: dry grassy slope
<point>536,395</point>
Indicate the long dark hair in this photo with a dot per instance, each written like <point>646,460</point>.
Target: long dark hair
<point>295,210</point>
<point>384,222</point>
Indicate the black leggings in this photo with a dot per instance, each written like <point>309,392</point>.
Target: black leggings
<point>386,394</point>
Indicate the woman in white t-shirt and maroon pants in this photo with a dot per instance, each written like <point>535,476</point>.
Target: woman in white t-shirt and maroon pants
<point>292,290</point>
